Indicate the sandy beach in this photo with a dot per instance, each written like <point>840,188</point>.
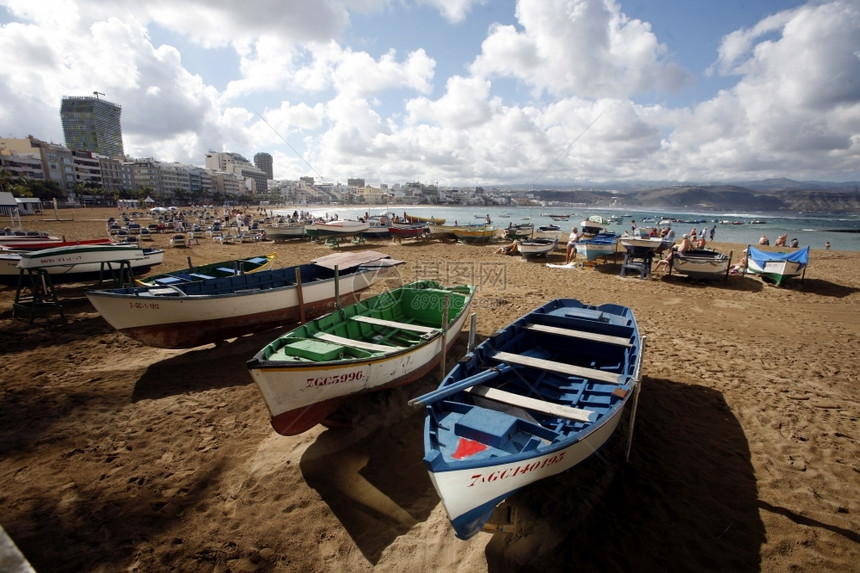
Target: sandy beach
<point>115,456</point>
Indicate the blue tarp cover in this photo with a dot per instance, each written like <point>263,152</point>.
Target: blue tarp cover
<point>761,257</point>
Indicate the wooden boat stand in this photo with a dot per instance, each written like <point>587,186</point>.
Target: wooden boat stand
<point>36,295</point>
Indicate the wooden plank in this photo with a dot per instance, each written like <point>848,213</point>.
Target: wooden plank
<point>573,333</point>
<point>356,343</point>
<point>395,324</point>
<point>560,367</point>
<point>559,410</point>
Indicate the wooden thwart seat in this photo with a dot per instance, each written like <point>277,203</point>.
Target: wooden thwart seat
<point>395,324</point>
<point>355,343</point>
<point>619,340</point>
<point>534,404</point>
<point>560,367</point>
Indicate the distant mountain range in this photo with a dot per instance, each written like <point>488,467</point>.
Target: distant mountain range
<point>771,195</point>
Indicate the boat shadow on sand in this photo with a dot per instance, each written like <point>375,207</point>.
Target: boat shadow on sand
<point>687,497</point>
<point>209,367</point>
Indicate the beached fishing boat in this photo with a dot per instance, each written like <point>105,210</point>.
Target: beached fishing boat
<point>286,232</point>
<point>533,248</point>
<point>521,231</point>
<point>467,233</point>
<point>80,263</point>
<point>408,231</point>
<point>593,225</point>
<point>700,264</point>
<point>531,401</point>
<point>211,310</point>
<point>597,246</point>
<point>549,232</point>
<point>39,245</point>
<point>10,238</point>
<point>345,228</point>
<point>387,340</point>
<point>430,220</point>
<point>194,273</point>
<point>777,267</point>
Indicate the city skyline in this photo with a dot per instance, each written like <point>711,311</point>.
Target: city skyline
<point>459,93</point>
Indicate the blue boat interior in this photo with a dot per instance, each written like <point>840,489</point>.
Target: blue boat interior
<point>466,428</point>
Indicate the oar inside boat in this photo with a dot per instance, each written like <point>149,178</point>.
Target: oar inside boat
<point>442,393</point>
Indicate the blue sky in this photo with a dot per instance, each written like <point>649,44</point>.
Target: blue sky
<point>459,92</point>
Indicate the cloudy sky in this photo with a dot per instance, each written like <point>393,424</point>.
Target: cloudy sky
<point>455,92</point>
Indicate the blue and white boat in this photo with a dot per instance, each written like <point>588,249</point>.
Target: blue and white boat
<point>601,245</point>
<point>777,267</point>
<point>533,400</point>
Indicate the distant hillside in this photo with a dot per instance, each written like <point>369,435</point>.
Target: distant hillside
<point>769,196</point>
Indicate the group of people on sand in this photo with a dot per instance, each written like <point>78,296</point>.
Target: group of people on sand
<point>684,246</point>
<point>780,241</point>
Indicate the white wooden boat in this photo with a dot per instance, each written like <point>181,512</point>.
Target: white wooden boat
<point>597,246</point>
<point>701,264</point>
<point>467,233</point>
<point>211,310</point>
<point>533,248</point>
<point>390,339</point>
<point>776,267</point>
<point>531,401</point>
<point>286,232</point>
<point>10,238</point>
<point>79,263</point>
<point>345,228</point>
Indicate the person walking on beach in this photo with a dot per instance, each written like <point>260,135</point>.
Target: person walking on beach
<point>571,246</point>
<point>713,232</point>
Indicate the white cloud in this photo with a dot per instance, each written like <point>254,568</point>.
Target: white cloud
<point>518,110</point>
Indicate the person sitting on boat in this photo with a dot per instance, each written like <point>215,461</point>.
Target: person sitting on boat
<point>780,241</point>
<point>700,244</point>
<point>685,245</point>
<point>571,246</point>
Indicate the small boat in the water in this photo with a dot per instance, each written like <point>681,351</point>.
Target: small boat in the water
<point>533,400</point>
<point>388,340</point>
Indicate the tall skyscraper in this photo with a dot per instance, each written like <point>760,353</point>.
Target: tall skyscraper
<point>263,162</point>
<point>92,124</point>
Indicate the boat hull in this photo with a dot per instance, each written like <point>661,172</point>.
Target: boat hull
<point>84,264</point>
<point>302,393</point>
<point>596,248</point>
<point>701,264</point>
<point>212,310</point>
<point>777,267</point>
<point>534,248</point>
<point>531,401</point>
<point>471,495</point>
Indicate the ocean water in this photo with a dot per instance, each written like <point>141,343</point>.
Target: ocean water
<point>814,230</point>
